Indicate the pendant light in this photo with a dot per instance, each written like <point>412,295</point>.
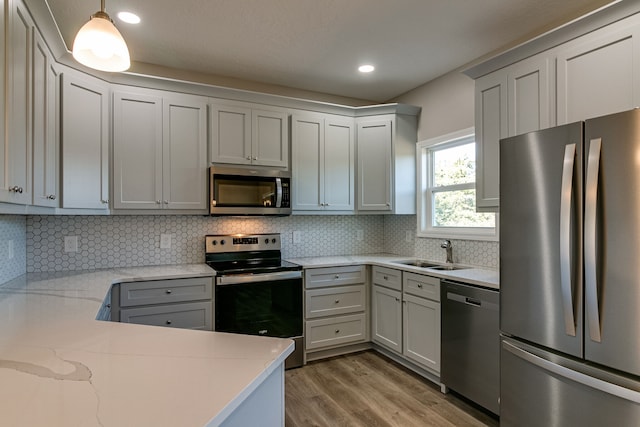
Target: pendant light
<point>99,44</point>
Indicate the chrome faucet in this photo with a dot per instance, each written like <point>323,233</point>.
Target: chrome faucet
<point>446,244</point>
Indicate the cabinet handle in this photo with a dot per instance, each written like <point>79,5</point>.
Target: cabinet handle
<point>255,158</point>
<point>337,276</point>
<point>51,197</point>
<point>157,202</point>
<point>104,201</point>
<point>337,301</point>
<point>337,331</point>
<point>397,299</point>
<point>248,157</point>
<point>166,202</point>
<point>168,322</point>
<point>16,189</point>
<point>419,285</point>
<point>385,277</point>
<point>168,291</point>
<point>388,204</point>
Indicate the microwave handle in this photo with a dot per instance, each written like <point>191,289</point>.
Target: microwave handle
<point>278,192</point>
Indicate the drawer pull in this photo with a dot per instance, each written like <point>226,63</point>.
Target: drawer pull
<point>419,285</point>
<point>337,331</point>
<point>397,299</point>
<point>337,301</point>
<point>337,276</point>
<point>168,322</point>
<point>385,277</point>
<point>168,291</point>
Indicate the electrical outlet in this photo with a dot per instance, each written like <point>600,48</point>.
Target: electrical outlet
<point>165,241</point>
<point>408,236</point>
<point>71,243</point>
<point>10,249</point>
<point>359,235</point>
<point>297,237</point>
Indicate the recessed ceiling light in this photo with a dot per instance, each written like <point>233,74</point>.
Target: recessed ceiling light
<point>128,17</point>
<point>366,68</point>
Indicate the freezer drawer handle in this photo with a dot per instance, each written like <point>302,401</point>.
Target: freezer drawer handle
<point>570,374</point>
<point>566,194</point>
<point>590,260</point>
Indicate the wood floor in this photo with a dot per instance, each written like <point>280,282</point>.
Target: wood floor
<point>368,389</point>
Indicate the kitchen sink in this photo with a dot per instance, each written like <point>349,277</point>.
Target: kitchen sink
<point>430,265</point>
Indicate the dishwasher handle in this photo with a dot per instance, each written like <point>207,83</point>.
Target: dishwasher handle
<point>475,302</point>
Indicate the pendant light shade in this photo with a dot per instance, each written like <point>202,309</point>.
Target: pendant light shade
<point>99,44</point>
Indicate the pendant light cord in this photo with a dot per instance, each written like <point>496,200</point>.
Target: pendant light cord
<point>102,5</point>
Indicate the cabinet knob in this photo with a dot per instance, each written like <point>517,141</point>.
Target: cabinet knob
<point>16,189</point>
<point>397,299</point>
<point>385,277</point>
<point>104,201</point>
<point>158,202</point>
<point>337,301</point>
<point>166,202</point>
<point>419,285</point>
<point>168,322</point>
<point>388,204</point>
<point>337,331</point>
<point>337,276</point>
<point>168,291</point>
<point>248,157</point>
<point>51,197</point>
<point>255,158</point>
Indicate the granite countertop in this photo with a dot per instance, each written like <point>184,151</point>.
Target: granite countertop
<point>470,274</point>
<point>61,367</point>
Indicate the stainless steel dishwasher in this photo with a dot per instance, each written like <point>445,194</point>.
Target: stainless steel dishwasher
<point>470,354</point>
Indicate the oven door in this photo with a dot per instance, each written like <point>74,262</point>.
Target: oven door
<point>267,304</point>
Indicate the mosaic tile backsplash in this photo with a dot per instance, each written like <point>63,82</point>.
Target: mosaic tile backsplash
<point>473,252</point>
<point>127,241</point>
<point>124,241</point>
<point>12,247</point>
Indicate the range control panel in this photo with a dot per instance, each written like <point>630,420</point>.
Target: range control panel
<point>241,242</point>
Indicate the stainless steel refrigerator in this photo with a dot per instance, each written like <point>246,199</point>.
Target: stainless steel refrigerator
<point>570,275</point>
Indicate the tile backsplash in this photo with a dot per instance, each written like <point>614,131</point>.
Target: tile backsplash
<point>12,247</point>
<point>473,252</point>
<point>126,241</point>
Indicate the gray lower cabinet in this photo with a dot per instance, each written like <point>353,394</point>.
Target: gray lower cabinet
<point>335,307</point>
<point>178,303</point>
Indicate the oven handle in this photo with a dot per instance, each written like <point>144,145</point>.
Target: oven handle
<point>260,277</point>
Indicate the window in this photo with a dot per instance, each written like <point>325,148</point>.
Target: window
<point>447,184</point>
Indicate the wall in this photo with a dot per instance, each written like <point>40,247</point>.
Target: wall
<point>447,106</point>
<point>123,241</point>
<point>473,252</point>
<point>12,247</point>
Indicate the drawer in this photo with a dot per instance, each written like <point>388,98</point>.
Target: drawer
<point>422,286</point>
<point>335,331</point>
<point>194,315</point>
<point>334,276</point>
<point>334,301</point>
<point>387,277</point>
<point>165,291</point>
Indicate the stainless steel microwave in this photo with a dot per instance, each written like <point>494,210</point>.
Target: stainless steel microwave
<point>236,191</point>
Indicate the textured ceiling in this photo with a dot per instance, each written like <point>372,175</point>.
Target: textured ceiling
<point>317,45</point>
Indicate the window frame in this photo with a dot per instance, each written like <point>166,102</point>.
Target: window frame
<point>425,190</point>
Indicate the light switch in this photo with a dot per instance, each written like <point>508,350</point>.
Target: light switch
<point>165,241</point>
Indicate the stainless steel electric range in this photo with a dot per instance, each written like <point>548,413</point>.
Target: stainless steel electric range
<point>256,291</point>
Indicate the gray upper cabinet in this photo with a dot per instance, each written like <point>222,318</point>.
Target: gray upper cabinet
<point>85,141</point>
<point>599,73</point>
<point>159,148</point>
<point>247,134</point>
<point>323,148</point>
<point>386,164</point>
<point>592,75</point>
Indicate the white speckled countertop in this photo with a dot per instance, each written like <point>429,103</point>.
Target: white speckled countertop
<point>61,367</point>
<point>470,274</point>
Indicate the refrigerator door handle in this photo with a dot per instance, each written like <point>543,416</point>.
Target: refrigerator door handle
<point>565,239</point>
<point>575,376</point>
<point>590,260</point>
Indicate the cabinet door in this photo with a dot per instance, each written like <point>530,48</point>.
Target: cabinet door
<point>230,134</point>
<point>374,166</point>
<point>491,125</point>
<point>596,74</point>
<point>307,139</point>
<point>45,97</point>
<point>185,153</point>
<point>386,317</point>
<point>421,327</point>
<point>339,165</point>
<point>85,142</point>
<point>269,138</point>
<point>529,89</point>
<point>137,151</point>
<point>18,161</point>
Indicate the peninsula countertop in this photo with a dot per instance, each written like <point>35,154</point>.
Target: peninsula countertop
<point>61,367</point>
